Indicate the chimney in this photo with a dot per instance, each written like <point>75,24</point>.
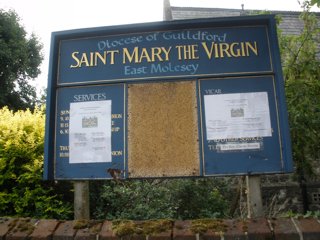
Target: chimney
<point>167,13</point>
<point>242,10</point>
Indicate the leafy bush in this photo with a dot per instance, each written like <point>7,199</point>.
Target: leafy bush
<point>155,199</point>
<point>22,191</point>
<point>301,68</point>
<point>136,200</point>
<point>199,198</point>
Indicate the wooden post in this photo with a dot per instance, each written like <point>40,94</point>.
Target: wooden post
<point>254,198</point>
<point>81,200</point>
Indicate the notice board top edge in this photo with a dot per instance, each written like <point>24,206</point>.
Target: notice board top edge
<point>220,22</point>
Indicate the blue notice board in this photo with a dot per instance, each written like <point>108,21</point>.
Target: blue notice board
<point>90,167</point>
<point>234,64</point>
<point>240,126</point>
<point>166,54</point>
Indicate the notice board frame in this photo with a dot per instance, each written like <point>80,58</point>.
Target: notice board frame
<point>184,27</point>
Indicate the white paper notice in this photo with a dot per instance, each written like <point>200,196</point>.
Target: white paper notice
<point>237,115</point>
<point>90,132</point>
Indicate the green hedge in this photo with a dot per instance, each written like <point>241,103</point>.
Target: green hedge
<point>22,191</point>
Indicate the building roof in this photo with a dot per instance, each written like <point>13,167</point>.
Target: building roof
<point>290,24</point>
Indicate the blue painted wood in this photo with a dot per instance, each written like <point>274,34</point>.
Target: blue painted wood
<point>48,172</point>
<point>165,54</point>
<point>256,72</point>
<point>271,157</point>
<point>66,170</point>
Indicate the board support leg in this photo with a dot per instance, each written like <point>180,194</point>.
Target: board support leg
<point>254,197</point>
<point>81,200</point>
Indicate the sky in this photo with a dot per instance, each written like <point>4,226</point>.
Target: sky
<point>42,17</point>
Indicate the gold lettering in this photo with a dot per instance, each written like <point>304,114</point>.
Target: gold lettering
<point>115,129</point>
<point>118,115</point>
<point>209,52</point>
<point>156,52</point>
<point>91,59</point>
<point>216,51</point>
<point>84,60</point>
<point>64,125</point>
<point>103,58</point>
<point>137,55</point>
<point>179,51</point>
<point>233,47</point>
<point>224,48</point>
<point>194,52</point>
<point>64,148</point>
<point>127,55</point>
<point>64,112</point>
<point>242,49</point>
<point>112,55</point>
<point>63,154</point>
<point>166,52</point>
<point>116,153</point>
<point>211,147</point>
<point>254,48</point>
<point>187,52</point>
<point>73,55</point>
<point>144,54</point>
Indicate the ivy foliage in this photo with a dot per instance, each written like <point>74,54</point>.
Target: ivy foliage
<point>301,68</point>
<point>22,191</point>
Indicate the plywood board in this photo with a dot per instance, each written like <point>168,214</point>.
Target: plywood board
<point>163,130</point>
